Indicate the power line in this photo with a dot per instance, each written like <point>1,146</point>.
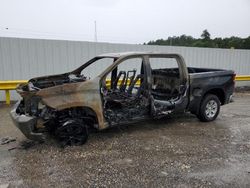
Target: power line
<point>104,38</point>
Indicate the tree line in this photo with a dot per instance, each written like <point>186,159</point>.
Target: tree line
<point>204,41</point>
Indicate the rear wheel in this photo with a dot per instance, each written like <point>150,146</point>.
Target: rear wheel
<point>72,132</point>
<point>209,109</point>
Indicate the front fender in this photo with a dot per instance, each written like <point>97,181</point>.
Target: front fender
<point>80,94</point>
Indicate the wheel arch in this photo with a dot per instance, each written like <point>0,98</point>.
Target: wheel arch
<point>196,102</point>
<point>86,112</point>
<point>219,92</point>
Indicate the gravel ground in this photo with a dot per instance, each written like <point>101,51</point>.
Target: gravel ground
<point>178,151</point>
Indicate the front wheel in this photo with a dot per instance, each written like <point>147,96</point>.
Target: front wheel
<point>72,132</point>
<point>209,109</point>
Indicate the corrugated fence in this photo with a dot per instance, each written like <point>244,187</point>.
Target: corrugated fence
<point>21,59</point>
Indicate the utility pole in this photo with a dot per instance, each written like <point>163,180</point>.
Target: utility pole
<point>95,32</point>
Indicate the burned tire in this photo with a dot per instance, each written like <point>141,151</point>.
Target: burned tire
<point>209,108</point>
<point>72,132</point>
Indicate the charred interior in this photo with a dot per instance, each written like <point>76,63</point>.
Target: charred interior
<point>165,83</point>
<point>126,98</point>
<point>51,81</point>
<point>130,97</point>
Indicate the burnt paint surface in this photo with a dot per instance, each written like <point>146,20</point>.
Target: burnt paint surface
<point>81,94</point>
<point>87,93</point>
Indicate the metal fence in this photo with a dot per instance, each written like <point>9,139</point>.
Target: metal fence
<point>21,59</point>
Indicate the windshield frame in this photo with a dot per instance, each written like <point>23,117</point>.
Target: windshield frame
<point>90,62</point>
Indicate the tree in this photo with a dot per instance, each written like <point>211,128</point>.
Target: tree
<point>204,41</point>
<point>205,35</point>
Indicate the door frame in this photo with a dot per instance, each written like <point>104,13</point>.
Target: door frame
<point>146,78</point>
<point>178,105</point>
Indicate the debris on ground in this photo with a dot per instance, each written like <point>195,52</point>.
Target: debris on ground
<point>27,144</point>
<point>12,148</point>
<point>7,140</point>
<point>23,145</point>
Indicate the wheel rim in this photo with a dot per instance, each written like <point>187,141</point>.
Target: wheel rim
<point>211,108</point>
<point>72,133</point>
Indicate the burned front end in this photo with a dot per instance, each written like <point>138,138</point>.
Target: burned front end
<point>31,115</point>
<point>27,115</point>
<point>26,122</point>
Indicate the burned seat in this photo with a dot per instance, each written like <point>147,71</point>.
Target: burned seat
<point>128,97</point>
<point>124,80</point>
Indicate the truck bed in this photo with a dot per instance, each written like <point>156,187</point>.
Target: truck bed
<point>208,72</point>
<point>202,80</point>
<point>192,70</point>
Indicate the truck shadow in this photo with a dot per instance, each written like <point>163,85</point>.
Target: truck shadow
<point>173,122</point>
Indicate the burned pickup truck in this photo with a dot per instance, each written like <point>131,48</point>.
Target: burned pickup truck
<point>115,89</point>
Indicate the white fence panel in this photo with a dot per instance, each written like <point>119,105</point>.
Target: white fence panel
<point>27,58</point>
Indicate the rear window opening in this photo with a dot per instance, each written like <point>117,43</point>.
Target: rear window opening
<point>165,78</point>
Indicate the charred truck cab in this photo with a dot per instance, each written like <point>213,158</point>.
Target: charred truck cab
<point>115,89</point>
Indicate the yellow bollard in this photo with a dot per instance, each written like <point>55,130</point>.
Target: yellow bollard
<point>7,93</point>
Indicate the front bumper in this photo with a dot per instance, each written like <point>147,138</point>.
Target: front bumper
<point>26,124</point>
